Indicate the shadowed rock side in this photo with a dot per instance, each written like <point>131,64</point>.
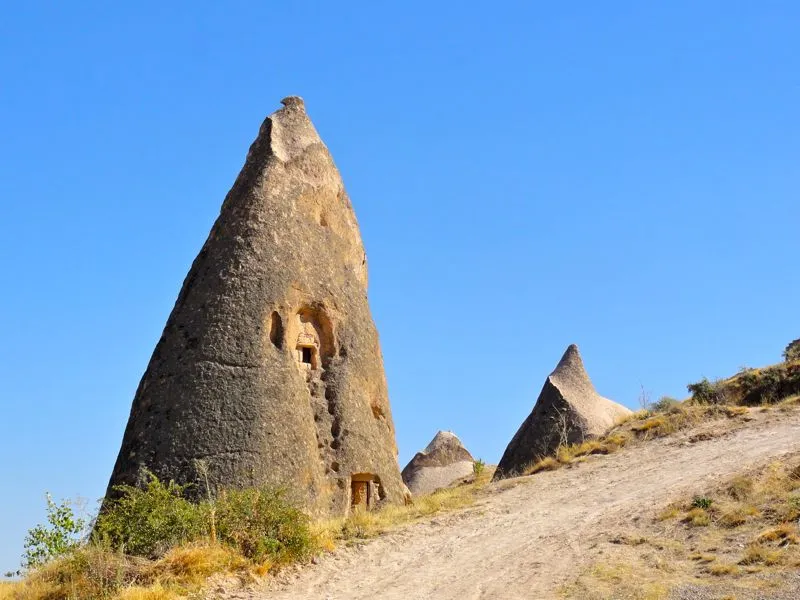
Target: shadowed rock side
<point>568,410</point>
<point>269,370</point>
<point>441,464</point>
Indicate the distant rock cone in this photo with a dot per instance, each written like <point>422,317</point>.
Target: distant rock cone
<point>269,371</point>
<point>568,410</point>
<point>441,464</point>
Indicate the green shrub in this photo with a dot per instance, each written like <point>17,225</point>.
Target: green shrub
<point>478,467</point>
<point>149,521</point>
<point>262,525</point>
<point>61,535</point>
<point>706,392</point>
<point>702,502</point>
<point>257,523</point>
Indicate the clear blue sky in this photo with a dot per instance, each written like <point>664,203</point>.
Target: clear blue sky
<point>623,175</point>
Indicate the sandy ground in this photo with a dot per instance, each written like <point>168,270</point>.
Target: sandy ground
<point>525,539</point>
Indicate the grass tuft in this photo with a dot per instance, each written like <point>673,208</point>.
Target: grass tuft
<point>722,569</point>
<point>697,517</point>
<point>362,524</point>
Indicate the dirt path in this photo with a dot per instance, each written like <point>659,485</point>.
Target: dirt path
<point>526,540</point>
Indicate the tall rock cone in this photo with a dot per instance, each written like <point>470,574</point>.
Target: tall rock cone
<point>568,409</point>
<point>269,371</point>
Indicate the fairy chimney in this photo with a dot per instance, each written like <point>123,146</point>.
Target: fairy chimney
<point>444,462</point>
<point>269,370</point>
<point>569,410</point>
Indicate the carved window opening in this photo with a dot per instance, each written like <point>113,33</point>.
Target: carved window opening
<point>306,354</point>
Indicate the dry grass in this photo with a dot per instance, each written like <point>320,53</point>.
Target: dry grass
<point>785,533</point>
<point>732,514</point>
<point>722,569</point>
<point>97,572</point>
<point>366,524</point>
<point>703,558</point>
<point>697,517</point>
<point>567,455</point>
<point>189,566</point>
<point>743,534</point>
<point>616,580</point>
<point>640,426</point>
<point>757,554</point>
<point>646,425</point>
<point>548,463</point>
<point>154,592</point>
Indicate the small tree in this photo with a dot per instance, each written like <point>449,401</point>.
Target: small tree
<point>707,392</point>
<point>62,534</point>
<point>792,351</point>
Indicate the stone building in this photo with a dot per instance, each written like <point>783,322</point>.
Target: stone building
<point>269,370</point>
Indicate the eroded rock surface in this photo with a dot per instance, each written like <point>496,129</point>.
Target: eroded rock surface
<point>269,370</point>
<point>443,462</point>
<point>568,410</point>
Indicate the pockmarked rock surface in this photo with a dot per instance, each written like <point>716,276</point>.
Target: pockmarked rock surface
<point>269,370</point>
<point>568,410</point>
<point>443,462</point>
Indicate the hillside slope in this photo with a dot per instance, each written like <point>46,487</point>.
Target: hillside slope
<point>530,536</point>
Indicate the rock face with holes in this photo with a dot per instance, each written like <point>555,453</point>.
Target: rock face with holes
<point>444,462</point>
<point>568,411</point>
<point>269,370</point>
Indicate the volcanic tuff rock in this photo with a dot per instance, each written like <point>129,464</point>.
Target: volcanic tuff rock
<point>569,410</point>
<point>442,463</point>
<point>269,370</point>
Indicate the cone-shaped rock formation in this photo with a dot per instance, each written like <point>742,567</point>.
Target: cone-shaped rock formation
<point>269,370</point>
<point>441,464</point>
<point>568,410</point>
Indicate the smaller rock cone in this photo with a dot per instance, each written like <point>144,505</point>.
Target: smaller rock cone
<point>568,411</point>
<point>442,463</point>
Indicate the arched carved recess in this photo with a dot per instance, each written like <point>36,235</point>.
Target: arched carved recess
<point>312,335</point>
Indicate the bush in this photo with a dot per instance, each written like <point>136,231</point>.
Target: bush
<point>478,467</point>
<point>702,502</point>
<point>769,385</point>
<point>792,351</point>
<point>256,530</point>
<point>706,392</point>
<point>61,535</point>
<point>149,521</point>
<point>258,523</point>
<point>664,404</point>
<point>262,526</point>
